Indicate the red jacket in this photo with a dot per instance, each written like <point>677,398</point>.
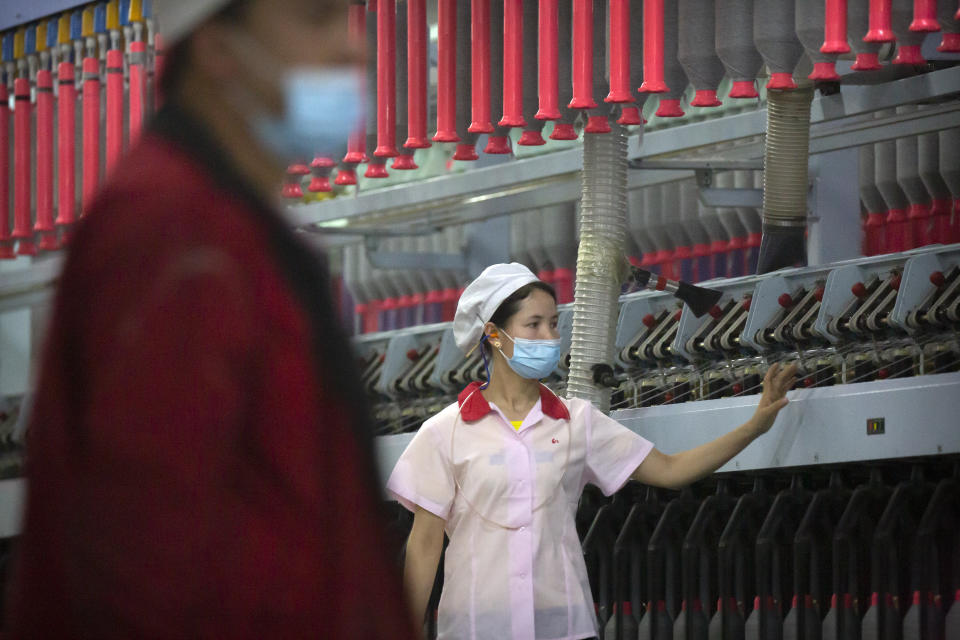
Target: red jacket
<point>198,463</point>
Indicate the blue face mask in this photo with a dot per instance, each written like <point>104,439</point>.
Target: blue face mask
<point>533,359</point>
<point>322,106</point>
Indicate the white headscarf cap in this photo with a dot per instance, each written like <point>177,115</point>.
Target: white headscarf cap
<point>482,297</point>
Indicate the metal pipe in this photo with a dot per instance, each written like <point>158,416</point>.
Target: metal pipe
<point>480,66</point>
<point>376,166</point>
<point>674,74</point>
<point>114,121</point>
<point>598,118</point>
<point>582,55</point>
<point>138,90</point>
<point>908,175</point>
<point>835,27</point>
<point>653,54</point>
<point>417,75</point>
<point>547,63</point>
<point>928,150</point>
<point>44,225</point>
<point>631,114</point>
<point>386,79</point>
<point>22,159</point>
<point>872,202</point>
<point>66,147</point>
<point>512,64</point>
<point>885,172</point>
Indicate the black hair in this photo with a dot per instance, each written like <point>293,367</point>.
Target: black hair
<point>509,307</point>
<point>178,59</point>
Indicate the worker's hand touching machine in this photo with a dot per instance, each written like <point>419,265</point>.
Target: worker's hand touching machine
<point>502,469</point>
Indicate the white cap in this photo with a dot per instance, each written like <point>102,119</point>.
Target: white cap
<point>177,18</point>
<point>482,298</point>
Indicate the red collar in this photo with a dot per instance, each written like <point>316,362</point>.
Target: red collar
<point>474,406</point>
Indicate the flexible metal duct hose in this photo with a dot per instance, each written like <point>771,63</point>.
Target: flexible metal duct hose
<point>531,71</point>
<point>696,51</point>
<point>908,42</point>
<point>735,47</point>
<point>673,73</point>
<point>600,262</point>
<point>466,147</point>
<point>858,22</point>
<point>776,39</point>
<point>785,178</point>
<point>810,18</point>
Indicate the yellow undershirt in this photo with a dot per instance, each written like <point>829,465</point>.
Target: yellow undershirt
<point>517,424</point>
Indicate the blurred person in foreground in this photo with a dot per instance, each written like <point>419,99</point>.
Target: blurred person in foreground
<point>199,461</point>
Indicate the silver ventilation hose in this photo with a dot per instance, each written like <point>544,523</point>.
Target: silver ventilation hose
<point>600,261</point>
<point>785,181</point>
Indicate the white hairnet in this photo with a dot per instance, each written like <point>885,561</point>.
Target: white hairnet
<point>483,296</point>
<point>177,18</point>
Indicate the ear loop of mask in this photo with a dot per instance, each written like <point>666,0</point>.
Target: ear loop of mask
<point>486,363</point>
<point>460,491</point>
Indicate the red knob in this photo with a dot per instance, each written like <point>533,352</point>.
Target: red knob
<point>859,290</point>
<point>883,374</point>
<point>716,312</point>
<point>413,355</point>
<point>649,321</point>
<point>737,388</point>
<point>746,304</point>
<point>677,315</point>
<point>937,279</point>
<point>808,382</point>
<point>895,282</point>
<point>818,294</point>
<point>785,300</point>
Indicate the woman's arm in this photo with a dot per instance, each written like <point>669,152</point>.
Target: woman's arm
<point>424,547</point>
<point>679,470</point>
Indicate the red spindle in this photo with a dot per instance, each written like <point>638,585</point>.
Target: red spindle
<point>548,52</point>
<point>653,48</point>
<point>138,89</point>
<point>44,226</point>
<point>114,120</point>
<point>835,27</point>
<point>356,142</point>
<point>416,75</point>
<point>91,131</point>
<point>21,168</point>
<point>6,245</point>
<point>925,16</point>
<point>480,67</point>
<point>386,79</point>
<point>446,72</point>
<point>66,145</point>
<point>881,29</point>
<point>582,55</point>
<point>619,52</point>
<point>512,64</point>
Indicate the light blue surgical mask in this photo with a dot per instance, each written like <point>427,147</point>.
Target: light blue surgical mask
<point>533,359</point>
<point>322,105</point>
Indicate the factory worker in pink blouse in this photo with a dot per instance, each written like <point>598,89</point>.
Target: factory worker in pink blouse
<point>502,470</point>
